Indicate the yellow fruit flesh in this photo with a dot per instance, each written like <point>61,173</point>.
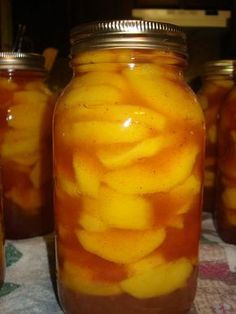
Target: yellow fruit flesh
<point>124,211</point>
<point>116,113</point>
<point>93,95</point>
<point>95,133</point>
<point>152,177</point>
<point>166,98</point>
<point>188,190</point>
<point>112,159</point>
<point>19,142</point>
<point>40,174</point>
<point>102,77</point>
<point>34,113</point>
<point>90,218</point>
<point>159,280</point>
<point>67,185</point>
<point>121,246</point>
<point>8,84</point>
<point>80,280</point>
<point>88,174</point>
<point>132,132</point>
<point>25,136</point>
<point>29,200</point>
<point>151,261</point>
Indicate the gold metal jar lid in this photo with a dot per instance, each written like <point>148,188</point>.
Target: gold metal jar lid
<point>135,34</point>
<point>219,67</point>
<point>21,61</point>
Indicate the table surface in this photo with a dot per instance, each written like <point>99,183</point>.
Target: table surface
<point>30,276</point>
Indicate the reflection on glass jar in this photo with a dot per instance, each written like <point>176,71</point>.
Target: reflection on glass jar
<point>217,82</point>
<point>26,107</point>
<point>226,177</point>
<point>128,160</point>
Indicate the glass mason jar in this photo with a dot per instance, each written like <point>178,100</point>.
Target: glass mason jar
<point>128,142</point>
<point>2,241</point>
<point>26,107</point>
<point>225,214</point>
<point>217,81</point>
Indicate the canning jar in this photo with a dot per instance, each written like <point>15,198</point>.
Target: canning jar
<point>128,143</point>
<point>225,215</point>
<point>26,107</point>
<point>217,81</point>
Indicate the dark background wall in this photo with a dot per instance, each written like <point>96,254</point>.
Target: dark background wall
<point>48,24</point>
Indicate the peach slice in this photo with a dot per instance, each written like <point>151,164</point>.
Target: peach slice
<point>95,78</point>
<point>27,159</point>
<point>80,280</point>
<point>111,158</point>
<point>38,86</point>
<point>8,84</point>
<point>145,264</point>
<point>158,175</point>
<point>29,97</point>
<point>28,199</point>
<point>121,246</point>
<point>68,185</point>
<point>88,174</point>
<point>93,95</point>
<point>117,113</point>
<point>104,132</point>
<point>160,280</point>
<point>186,192</point>
<point>27,116</point>
<point>124,211</point>
<point>41,172</point>
<point>171,98</point>
<point>17,142</point>
<point>90,217</point>
<point>229,197</point>
<point>91,223</point>
<point>99,56</point>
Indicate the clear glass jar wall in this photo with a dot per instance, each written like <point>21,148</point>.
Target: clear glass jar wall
<point>128,160</point>
<point>225,214</point>
<point>26,107</point>
<point>217,81</point>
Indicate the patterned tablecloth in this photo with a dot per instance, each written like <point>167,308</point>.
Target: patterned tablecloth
<point>30,276</point>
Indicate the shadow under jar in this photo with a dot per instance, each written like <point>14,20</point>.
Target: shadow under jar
<point>26,108</point>
<point>128,143</point>
<point>225,214</point>
<point>217,81</point>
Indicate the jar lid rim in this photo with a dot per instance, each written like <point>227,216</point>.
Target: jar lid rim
<point>21,60</point>
<point>220,67</point>
<point>138,34</point>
